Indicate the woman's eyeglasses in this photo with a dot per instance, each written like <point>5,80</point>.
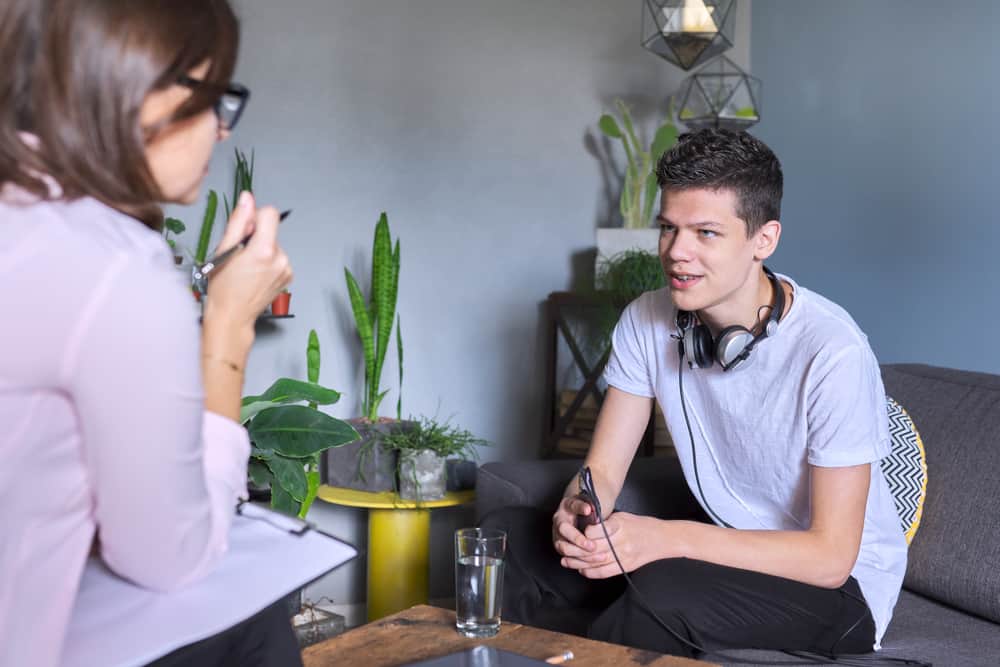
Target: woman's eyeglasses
<point>232,100</point>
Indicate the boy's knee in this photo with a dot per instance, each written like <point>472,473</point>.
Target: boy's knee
<point>629,622</point>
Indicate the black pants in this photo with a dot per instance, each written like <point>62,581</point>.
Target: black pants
<point>264,640</point>
<point>711,606</point>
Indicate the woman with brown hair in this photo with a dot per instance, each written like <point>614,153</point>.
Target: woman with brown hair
<point>119,412</point>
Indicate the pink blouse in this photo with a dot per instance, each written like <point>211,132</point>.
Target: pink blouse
<point>102,426</point>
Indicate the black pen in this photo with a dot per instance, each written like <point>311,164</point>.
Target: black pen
<point>199,274</point>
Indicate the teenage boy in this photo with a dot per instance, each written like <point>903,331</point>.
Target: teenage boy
<point>777,410</point>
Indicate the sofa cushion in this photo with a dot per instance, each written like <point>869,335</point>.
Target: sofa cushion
<point>954,557</point>
<point>905,469</point>
<point>921,629</point>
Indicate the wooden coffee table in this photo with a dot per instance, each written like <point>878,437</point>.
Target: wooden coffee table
<point>423,632</point>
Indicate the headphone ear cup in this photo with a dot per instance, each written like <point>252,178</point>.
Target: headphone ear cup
<point>698,346</point>
<point>732,341</point>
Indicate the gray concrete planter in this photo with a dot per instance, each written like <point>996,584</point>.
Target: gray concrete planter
<point>363,464</point>
<point>421,476</point>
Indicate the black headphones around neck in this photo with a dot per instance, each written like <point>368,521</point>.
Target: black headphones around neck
<point>734,343</point>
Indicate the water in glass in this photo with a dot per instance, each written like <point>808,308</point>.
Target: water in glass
<point>478,592</point>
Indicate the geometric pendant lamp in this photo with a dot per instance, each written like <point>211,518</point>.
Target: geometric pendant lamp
<point>688,33</point>
<point>719,95</point>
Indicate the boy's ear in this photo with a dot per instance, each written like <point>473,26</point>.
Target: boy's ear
<point>766,239</point>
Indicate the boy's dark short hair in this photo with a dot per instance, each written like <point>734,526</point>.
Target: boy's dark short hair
<point>721,159</point>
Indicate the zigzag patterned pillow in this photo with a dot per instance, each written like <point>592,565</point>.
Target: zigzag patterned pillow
<point>905,468</point>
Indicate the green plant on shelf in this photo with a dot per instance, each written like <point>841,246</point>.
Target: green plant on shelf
<point>175,227</point>
<point>742,112</point>
<point>621,279</point>
<point>639,187</point>
<point>628,274</point>
<point>242,179</point>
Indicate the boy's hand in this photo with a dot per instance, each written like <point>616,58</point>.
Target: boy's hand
<point>565,535</point>
<point>636,539</point>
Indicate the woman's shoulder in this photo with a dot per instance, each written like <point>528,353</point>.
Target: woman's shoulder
<point>103,229</point>
<point>84,222</point>
<point>79,263</point>
<point>65,250</point>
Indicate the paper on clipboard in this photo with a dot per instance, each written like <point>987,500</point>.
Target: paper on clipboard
<point>118,624</point>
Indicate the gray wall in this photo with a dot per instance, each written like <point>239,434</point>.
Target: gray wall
<point>882,114</point>
<point>466,122</point>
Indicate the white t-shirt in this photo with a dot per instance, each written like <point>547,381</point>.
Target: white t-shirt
<point>810,395</point>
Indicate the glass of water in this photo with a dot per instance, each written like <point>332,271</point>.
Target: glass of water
<point>479,555</point>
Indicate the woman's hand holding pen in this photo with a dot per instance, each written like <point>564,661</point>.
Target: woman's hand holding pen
<point>240,289</point>
<point>246,283</point>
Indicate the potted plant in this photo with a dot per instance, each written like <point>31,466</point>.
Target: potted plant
<point>280,304</point>
<point>366,465</point>
<point>287,438</point>
<point>175,227</point>
<point>423,452</point>
<point>626,275</point>
<point>242,179</point>
<point>639,185</point>
<point>620,279</point>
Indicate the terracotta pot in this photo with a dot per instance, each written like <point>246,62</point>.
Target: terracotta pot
<point>280,304</point>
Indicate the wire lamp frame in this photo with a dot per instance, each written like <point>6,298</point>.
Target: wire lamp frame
<point>720,95</point>
<point>688,33</point>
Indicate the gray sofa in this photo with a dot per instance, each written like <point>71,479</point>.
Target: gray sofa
<point>949,610</point>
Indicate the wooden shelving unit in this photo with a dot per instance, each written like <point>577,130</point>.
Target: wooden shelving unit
<point>570,414</point>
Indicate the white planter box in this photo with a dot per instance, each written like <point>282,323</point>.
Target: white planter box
<point>611,241</point>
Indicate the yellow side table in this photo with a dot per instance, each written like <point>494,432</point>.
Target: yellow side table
<point>398,544</point>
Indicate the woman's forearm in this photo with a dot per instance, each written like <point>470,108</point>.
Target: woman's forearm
<point>223,360</point>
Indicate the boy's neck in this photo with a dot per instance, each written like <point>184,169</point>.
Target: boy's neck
<point>744,306</point>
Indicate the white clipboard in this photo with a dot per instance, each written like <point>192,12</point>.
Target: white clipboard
<point>118,624</point>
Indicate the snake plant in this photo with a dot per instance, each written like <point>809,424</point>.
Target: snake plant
<point>207,222</point>
<point>374,318</point>
<point>242,179</point>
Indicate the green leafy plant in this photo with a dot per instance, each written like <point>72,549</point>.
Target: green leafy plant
<point>620,279</point>
<point>287,438</point>
<point>628,274</point>
<point>442,438</point>
<point>639,187</point>
<point>429,435</point>
<point>373,318</point>
<point>175,227</point>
